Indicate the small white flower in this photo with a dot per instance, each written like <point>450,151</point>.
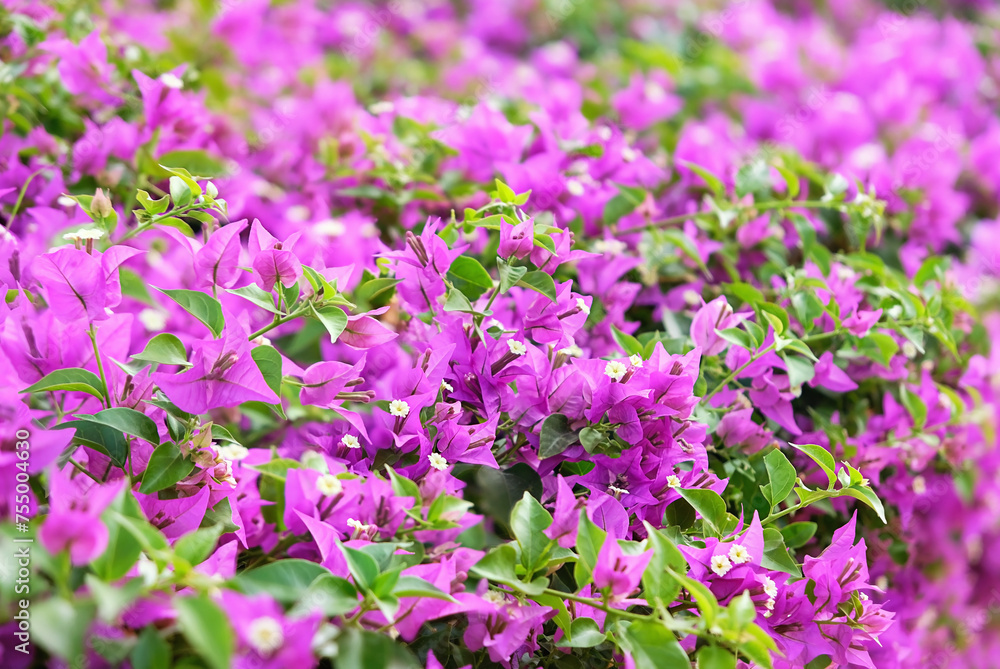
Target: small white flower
<point>691,297</point>
<point>350,441</point>
<point>635,361</point>
<point>383,107</point>
<point>919,485</point>
<point>516,347</point>
<point>575,188</point>
<point>153,320</point>
<point>266,635</point>
<point>654,92</point>
<point>437,461</point>
<point>739,554</point>
<point>331,227</point>
<point>615,369</point>
<point>233,452</point>
<point>581,304</point>
<point>673,481</point>
<point>863,597</point>
<point>329,485</point>
<point>399,408</point>
<point>909,350</point>
<point>358,526</point>
<point>90,233</point>
<point>298,213</point>
<point>769,604</point>
<point>770,588</point>
<point>494,597</point>
<point>767,614</point>
<point>604,132</point>
<point>617,491</point>
<point>572,351</point>
<point>611,246</point>
<point>171,80</point>
<point>447,386</point>
<point>721,565</point>
<point>629,154</point>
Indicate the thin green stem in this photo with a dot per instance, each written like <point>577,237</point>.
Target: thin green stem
<point>100,366</point>
<point>595,603</point>
<point>83,469</point>
<point>276,322</point>
<point>726,381</point>
<point>20,196</point>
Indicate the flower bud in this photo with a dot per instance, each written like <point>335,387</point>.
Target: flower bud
<point>100,206</point>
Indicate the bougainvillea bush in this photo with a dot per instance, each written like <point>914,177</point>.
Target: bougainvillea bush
<point>512,333</point>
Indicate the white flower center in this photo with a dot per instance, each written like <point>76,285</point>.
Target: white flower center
<point>329,485</point>
<point>399,408</point>
<point>350,441</point>
<point>673,481</point>
<point>739,554</point>
<point>233,452</point>
<point>516,347</point>
<point>635,361</point>
<point>615,369</point>
<point>721,565</point>
<point>437,461</point>
<point>266,635</point>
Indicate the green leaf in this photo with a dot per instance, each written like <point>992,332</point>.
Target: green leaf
<point>868,496</point>
<point>657,583</point>
<point>716,657</point>
<point>584,633</point>
<point>821,457</point>
<point>469,276</point>
<point>589,539</point>
<point>333,595</point>
<point>916,407</point>
<point>206,627</point>
<point>202,306</point>
<point>627,342</point>
<point>123,547</point>
<point>269,363</point>
<point>167,465</point>
<point>197,546</point>
<point>59,625</point>
<point>509,274</point>
<point>799,369</point>
<point>152,206</point>
<point>194,161</point>
<point>744,292</point>
<point>499,566</point>
<point>708,605</point>
<point>623,204</point>
<point>738,337</point>
<point>111,599</point>
<point>754,177</point>
<point>103,439</point>
<point>129,421</point>
<point>333,318</point>
<point>457,301</point>
<point>791,181</point>
<point>709,504</point>
<point>539,282</point>
<point>72,379</point>
<point>180,192</point>
<point>653,646</point>
<point>556,436</point>
<point>781,475</point>
<point>777,316</point>
<point>505,193</point>
<point>797,535</point>
<point>362,566</point>
<point>286,580</point>
<point>254,294</point>
<point>714,182</point>
<point>165,349</point>
<point>528,520</point>
<point>411,586</point>
<point>776,556</point>
<point>152,652</point>
<point>358,648</point>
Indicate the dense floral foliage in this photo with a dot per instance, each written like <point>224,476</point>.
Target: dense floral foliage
<point>517,333</point>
